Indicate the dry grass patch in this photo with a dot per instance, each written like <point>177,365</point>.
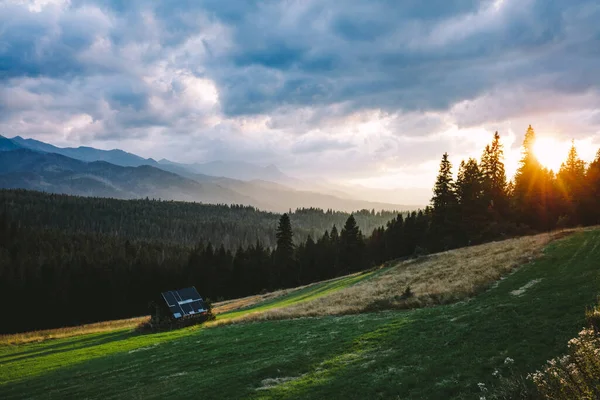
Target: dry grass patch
<point>436,279</point>
<point>237,304</point>
<point>59,333</point>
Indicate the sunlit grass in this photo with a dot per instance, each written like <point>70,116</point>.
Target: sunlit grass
<point>428,353</point>
<point>226,310</point>
<point>59,333</point>
<point>433,280</point>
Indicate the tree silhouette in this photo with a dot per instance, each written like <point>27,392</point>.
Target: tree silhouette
<point>285,262</point>
<point>444,208</point>
<point>472,203</point>
<point>494,177</point>
<point>592,196</point>
<point>571,185</point>
<point>533,183</point>
<point>352,247</point>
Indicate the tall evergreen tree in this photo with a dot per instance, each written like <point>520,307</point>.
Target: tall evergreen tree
<point>352,247</point>
<point>285,262</point>
<point>494,177</point>
<point>531,185</point>
<point>592,196</point>
<point>472,203</point>
<point>444,208</point>
<point>571,185</point>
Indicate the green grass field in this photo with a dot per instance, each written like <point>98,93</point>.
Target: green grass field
<point>309,293</point>
<point>432,353</point>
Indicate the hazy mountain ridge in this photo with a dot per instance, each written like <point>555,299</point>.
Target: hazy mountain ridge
<point>88,154</point>
<point>50,172</point>
<point>230,169</point>
<point>115,173</point>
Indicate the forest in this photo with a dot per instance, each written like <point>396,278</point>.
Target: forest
<point>173,222</point>
<point>74,260</point>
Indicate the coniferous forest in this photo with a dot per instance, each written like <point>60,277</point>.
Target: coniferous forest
<point>71,260</point>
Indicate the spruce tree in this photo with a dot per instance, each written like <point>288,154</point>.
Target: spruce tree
<point>530,189</point>
<point>444,208</point>
<point>592,184</point>
<point>352,247</point>
<point>472,203</point>
<point>571,181</point>
<point>285,263</point>
<point>494,177</point>
<point>572,171</point>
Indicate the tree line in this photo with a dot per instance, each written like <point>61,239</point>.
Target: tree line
<point>174,222</point>
<point>50,278</point>
<point>480,205</point>
<point>75,277</point>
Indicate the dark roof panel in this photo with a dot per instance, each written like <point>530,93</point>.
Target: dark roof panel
<point>189,294</point>
<point>184,302</point>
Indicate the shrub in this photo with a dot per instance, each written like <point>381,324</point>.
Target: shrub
<point>210,316</point>
<point>592,317</point>
<point>575,375</point>
<point>407,293</point>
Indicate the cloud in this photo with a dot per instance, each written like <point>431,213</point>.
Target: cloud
<point>358,89</point>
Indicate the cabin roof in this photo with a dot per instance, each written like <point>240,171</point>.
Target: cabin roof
<point>184,302</point>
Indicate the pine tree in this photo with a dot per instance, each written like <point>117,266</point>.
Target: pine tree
<point>531,184</point>
<point>444,196</point>
<point>352,247</point>
<point>444,208</point>
<point>285,263</point>
<point>494,177</point>
<point>472,203</point>
<point>571,179</point>
<point>592,184</point>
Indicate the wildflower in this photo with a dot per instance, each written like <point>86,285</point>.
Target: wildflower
<point>508,361</point>
<point>496,373</point>
<point>482,387</point>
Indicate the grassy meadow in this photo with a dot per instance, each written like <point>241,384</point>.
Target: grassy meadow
<point>430,352</point>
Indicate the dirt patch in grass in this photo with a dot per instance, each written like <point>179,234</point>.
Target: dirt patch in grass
<point>523,289</point>
<point>271,383</point>
<point>435,279</point>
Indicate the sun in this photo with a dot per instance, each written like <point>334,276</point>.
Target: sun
<point>550,152</point>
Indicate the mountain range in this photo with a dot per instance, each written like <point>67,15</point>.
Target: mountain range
<point>35,165</point>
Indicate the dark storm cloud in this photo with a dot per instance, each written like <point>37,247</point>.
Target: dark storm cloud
<point>133,66</point>
<point>409,55</point>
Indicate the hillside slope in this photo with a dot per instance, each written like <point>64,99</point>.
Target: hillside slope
<point>116,174</point>
<point>428,353</point>
<point>224,182</point>
<point>50,172</point>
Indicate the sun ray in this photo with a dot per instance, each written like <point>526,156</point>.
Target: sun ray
<point>550,152</point>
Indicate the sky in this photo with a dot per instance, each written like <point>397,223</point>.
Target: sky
<point>357,91</point>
